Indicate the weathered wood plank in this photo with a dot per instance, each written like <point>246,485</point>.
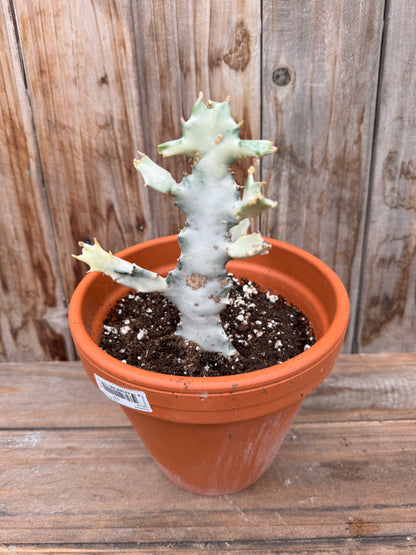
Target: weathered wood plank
<point>107,79</point>
<point>79,61</point>
<point>33,323</point>
<point>320,73</point>
<point>71,400</point>
<point>298,547</point>
<point>361,387</point>
<point>388,306</point>
<point>336,486</point>
<point>341,480</point>
<point>208,46</point>
<point>98,77</point>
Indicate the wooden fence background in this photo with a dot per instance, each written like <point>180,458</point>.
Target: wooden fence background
<point>85,83</point>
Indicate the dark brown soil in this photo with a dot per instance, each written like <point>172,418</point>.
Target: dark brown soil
<point>263,328</point>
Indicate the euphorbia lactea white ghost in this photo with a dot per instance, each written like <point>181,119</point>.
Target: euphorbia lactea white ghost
<point>216,223</point>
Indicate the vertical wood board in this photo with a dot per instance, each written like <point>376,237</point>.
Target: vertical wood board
<point>33,323</point>
<point>97,81</point>
<point>183,48</point>
<point>321,62</point>
<point>388,305</point>
<point>106,79</point>
<point>79,61</point>
<point>88,67</point>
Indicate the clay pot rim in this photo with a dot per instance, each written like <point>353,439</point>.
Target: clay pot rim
<point>188,385</point>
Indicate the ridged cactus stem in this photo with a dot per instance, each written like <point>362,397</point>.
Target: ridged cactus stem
<point>199,285</point>
<point>216,223</point>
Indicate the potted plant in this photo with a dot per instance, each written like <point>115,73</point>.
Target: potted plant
<point>210,435</point>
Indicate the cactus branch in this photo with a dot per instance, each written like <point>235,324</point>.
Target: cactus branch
<point>248,246</point>
<point>250,149</point>
<point>178,146</point>
<point>121,271</point>
<point>155,177</point>
<point>253,202</point>
<point>239,230</point>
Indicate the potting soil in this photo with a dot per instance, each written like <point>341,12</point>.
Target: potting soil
<point>264,329</point>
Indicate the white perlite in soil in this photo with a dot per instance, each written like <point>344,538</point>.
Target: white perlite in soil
<point>263,328</point>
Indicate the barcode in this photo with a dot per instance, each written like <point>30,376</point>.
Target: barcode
<point>122,394</point>
<point>127,397</point>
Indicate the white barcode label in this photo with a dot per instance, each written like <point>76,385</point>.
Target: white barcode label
<point>127,397</point>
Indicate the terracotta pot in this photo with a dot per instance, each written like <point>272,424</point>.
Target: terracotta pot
<point>216,435</point>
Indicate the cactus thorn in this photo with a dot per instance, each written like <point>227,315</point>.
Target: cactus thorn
<point>201,96</point>
<point>274,149</point>
<point>183,121</point>
<point>251,170</point>
<point>227,98</point>
<point>218,139</point>
<point>240,124</point>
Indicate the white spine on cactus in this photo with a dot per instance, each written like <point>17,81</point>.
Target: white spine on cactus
<point>216,223</point>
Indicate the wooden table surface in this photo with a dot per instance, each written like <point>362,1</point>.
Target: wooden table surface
<point>75,478</point>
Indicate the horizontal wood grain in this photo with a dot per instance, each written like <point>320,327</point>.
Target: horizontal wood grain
<point>361,387</point>
<point>92,484</point>
<point>67,387</point>
<point>77,479</point>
